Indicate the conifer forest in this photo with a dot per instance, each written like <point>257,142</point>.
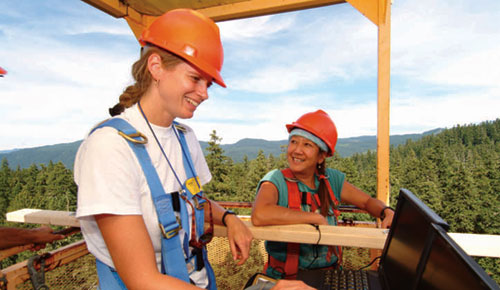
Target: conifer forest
<point>455,172</point>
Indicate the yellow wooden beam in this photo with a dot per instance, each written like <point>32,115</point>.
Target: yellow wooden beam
<point>374,10</point>
<point>138,22</point>
<point>115,8</point>
<point>253,8</point>
<point>383,103</point>
<point>369,8</point>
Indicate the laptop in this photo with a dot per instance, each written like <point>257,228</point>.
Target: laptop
<point>447,266</point>
<point>399,266</point>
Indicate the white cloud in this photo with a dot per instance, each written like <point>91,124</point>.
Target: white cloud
<point>420,114</point>
<point>262,27</point>
<point>448,43</point>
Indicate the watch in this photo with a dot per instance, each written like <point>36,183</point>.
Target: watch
<point>382,213</point>
<point>225,214</point>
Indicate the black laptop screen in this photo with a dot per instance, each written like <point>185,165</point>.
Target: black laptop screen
<point>406,241</point>
<point>449,267</point>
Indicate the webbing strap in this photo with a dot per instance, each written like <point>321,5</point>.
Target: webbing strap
<point>191,177</point>
<point>199,211</point>
<point>172,253</point>
<point>108,277</point>
<point>291,265</point>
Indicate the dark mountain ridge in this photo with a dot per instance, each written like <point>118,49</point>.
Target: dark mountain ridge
<point>65,152</point>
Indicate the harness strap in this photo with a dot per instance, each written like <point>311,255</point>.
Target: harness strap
<point>192,189</point>
<point>337,250</point>
<point>295,200</point>
<point>108,277</point>
<point>311,200</point>
<point>291,265</point>
<point>172,253</point>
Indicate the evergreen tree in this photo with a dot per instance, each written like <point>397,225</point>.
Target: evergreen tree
<point>219,188</point>
<point>258,168</point>
<point>5,179</point>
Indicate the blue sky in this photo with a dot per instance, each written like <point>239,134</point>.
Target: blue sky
<point>68,62</point>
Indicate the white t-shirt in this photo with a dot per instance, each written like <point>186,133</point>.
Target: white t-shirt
<point>111,181</point>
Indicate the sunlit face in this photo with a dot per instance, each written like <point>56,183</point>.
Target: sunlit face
<point>183,88</point>
<point>303,156</point>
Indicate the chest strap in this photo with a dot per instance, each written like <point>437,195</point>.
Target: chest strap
<point>295,200</point>
<point>172,251</point>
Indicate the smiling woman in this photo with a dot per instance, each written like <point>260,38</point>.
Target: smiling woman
<point>127,186</point>
<point>308,193</point>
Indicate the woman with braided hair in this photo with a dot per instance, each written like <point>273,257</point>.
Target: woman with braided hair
<point>308,193</point>
<point>140,174</point>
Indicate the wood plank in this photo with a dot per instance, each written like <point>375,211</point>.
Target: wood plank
<point>330,235</point>
<point>47,217</point>
<point>478,244</point>
<point>473,244</point>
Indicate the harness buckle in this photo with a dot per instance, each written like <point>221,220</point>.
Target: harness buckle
<point>131,137</point>
<point>198,204</point>
<point>171,231</point>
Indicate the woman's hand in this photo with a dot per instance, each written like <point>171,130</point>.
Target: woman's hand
<point>387,221</point>
<point>240,238</point>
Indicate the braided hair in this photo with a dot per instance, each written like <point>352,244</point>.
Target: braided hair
<point>143,79</point>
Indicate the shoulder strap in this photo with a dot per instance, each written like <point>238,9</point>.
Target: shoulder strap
<point>193,188</point>
<point>172,254</point>
<point>294,197</point>
<point>291,265</point>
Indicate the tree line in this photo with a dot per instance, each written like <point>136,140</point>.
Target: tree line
<point>455,172</point>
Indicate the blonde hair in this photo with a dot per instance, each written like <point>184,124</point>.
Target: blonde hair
<point>143,79</point>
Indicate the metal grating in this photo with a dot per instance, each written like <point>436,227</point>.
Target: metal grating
<point>78,275</point>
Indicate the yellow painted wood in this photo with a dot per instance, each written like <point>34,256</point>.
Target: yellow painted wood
<point>139,14</point>
<point>254,8</point>
<point>114,8</point>
<point>369,8</point>
<point>383,103</point>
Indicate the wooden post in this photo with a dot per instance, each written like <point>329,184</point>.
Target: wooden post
<point>383,104</point>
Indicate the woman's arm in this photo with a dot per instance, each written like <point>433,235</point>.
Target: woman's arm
<point>352,195</point>
<point>11,237</point>
<point>238,234</point>
<point>132,252</point>
<point>266,210</point>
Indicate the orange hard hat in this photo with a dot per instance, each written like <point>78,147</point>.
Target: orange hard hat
<point>2,72</point>
<point>191,36</point>
<point>319,124</point>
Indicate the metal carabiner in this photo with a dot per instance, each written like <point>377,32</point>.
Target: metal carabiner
<point>38,277</point>
<point>131,137</point>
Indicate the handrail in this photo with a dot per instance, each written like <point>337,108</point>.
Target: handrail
<point>239,204</point>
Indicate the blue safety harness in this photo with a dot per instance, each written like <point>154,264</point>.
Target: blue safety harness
<point>173,253</point>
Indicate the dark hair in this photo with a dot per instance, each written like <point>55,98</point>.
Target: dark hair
<point>323,192</point>
<point>143,79</point>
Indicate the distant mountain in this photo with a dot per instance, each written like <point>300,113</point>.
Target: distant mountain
<point>66,152</point>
